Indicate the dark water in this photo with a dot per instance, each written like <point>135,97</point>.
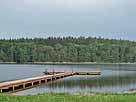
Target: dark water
<point>114,78</point>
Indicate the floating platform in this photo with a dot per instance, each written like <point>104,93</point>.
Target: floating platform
<point>88,73</point>
<point>76,73</point>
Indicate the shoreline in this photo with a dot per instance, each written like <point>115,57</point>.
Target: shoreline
<point>69,63</point>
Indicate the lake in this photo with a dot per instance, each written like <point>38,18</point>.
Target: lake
<point>114,78</point>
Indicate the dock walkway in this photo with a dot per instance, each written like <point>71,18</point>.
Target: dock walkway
<point>19,85</point>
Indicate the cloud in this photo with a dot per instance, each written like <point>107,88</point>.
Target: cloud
<point>68,15</point>
<point>54,6</point>
<point>64,4</point>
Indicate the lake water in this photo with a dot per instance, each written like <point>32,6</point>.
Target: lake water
<point>114,78</point>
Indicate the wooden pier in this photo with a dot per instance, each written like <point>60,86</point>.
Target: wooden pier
<point>88,73</point>
<point>19,85</point>
<point>76,73</point>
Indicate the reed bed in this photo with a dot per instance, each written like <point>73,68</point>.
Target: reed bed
<point>70,98</point>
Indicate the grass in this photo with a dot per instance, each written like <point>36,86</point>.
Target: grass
<point>70,98</point>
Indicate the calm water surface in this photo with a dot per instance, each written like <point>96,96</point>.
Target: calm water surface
<point>114,78</point>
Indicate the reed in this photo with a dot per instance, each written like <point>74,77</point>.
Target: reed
<point>70,98</point>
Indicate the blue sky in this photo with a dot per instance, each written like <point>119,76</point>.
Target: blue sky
<point>43,18</point>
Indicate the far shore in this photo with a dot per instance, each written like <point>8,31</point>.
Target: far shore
<point>69,63</point>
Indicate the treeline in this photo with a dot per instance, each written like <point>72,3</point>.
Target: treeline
<point>67,49</point>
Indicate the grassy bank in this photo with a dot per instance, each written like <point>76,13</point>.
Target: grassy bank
<point>70,98</point>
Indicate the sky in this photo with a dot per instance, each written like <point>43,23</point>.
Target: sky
<point>43,18</point>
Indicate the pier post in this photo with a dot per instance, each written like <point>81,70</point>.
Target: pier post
<point>23,85</point>
<point>39,82</point>
<point>13,88</point>
<point>32,84</point>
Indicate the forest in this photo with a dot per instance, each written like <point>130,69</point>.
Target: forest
<point>67,49</point>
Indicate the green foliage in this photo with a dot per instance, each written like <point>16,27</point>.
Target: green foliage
<point>70,98</point>
<point>67,49</point>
